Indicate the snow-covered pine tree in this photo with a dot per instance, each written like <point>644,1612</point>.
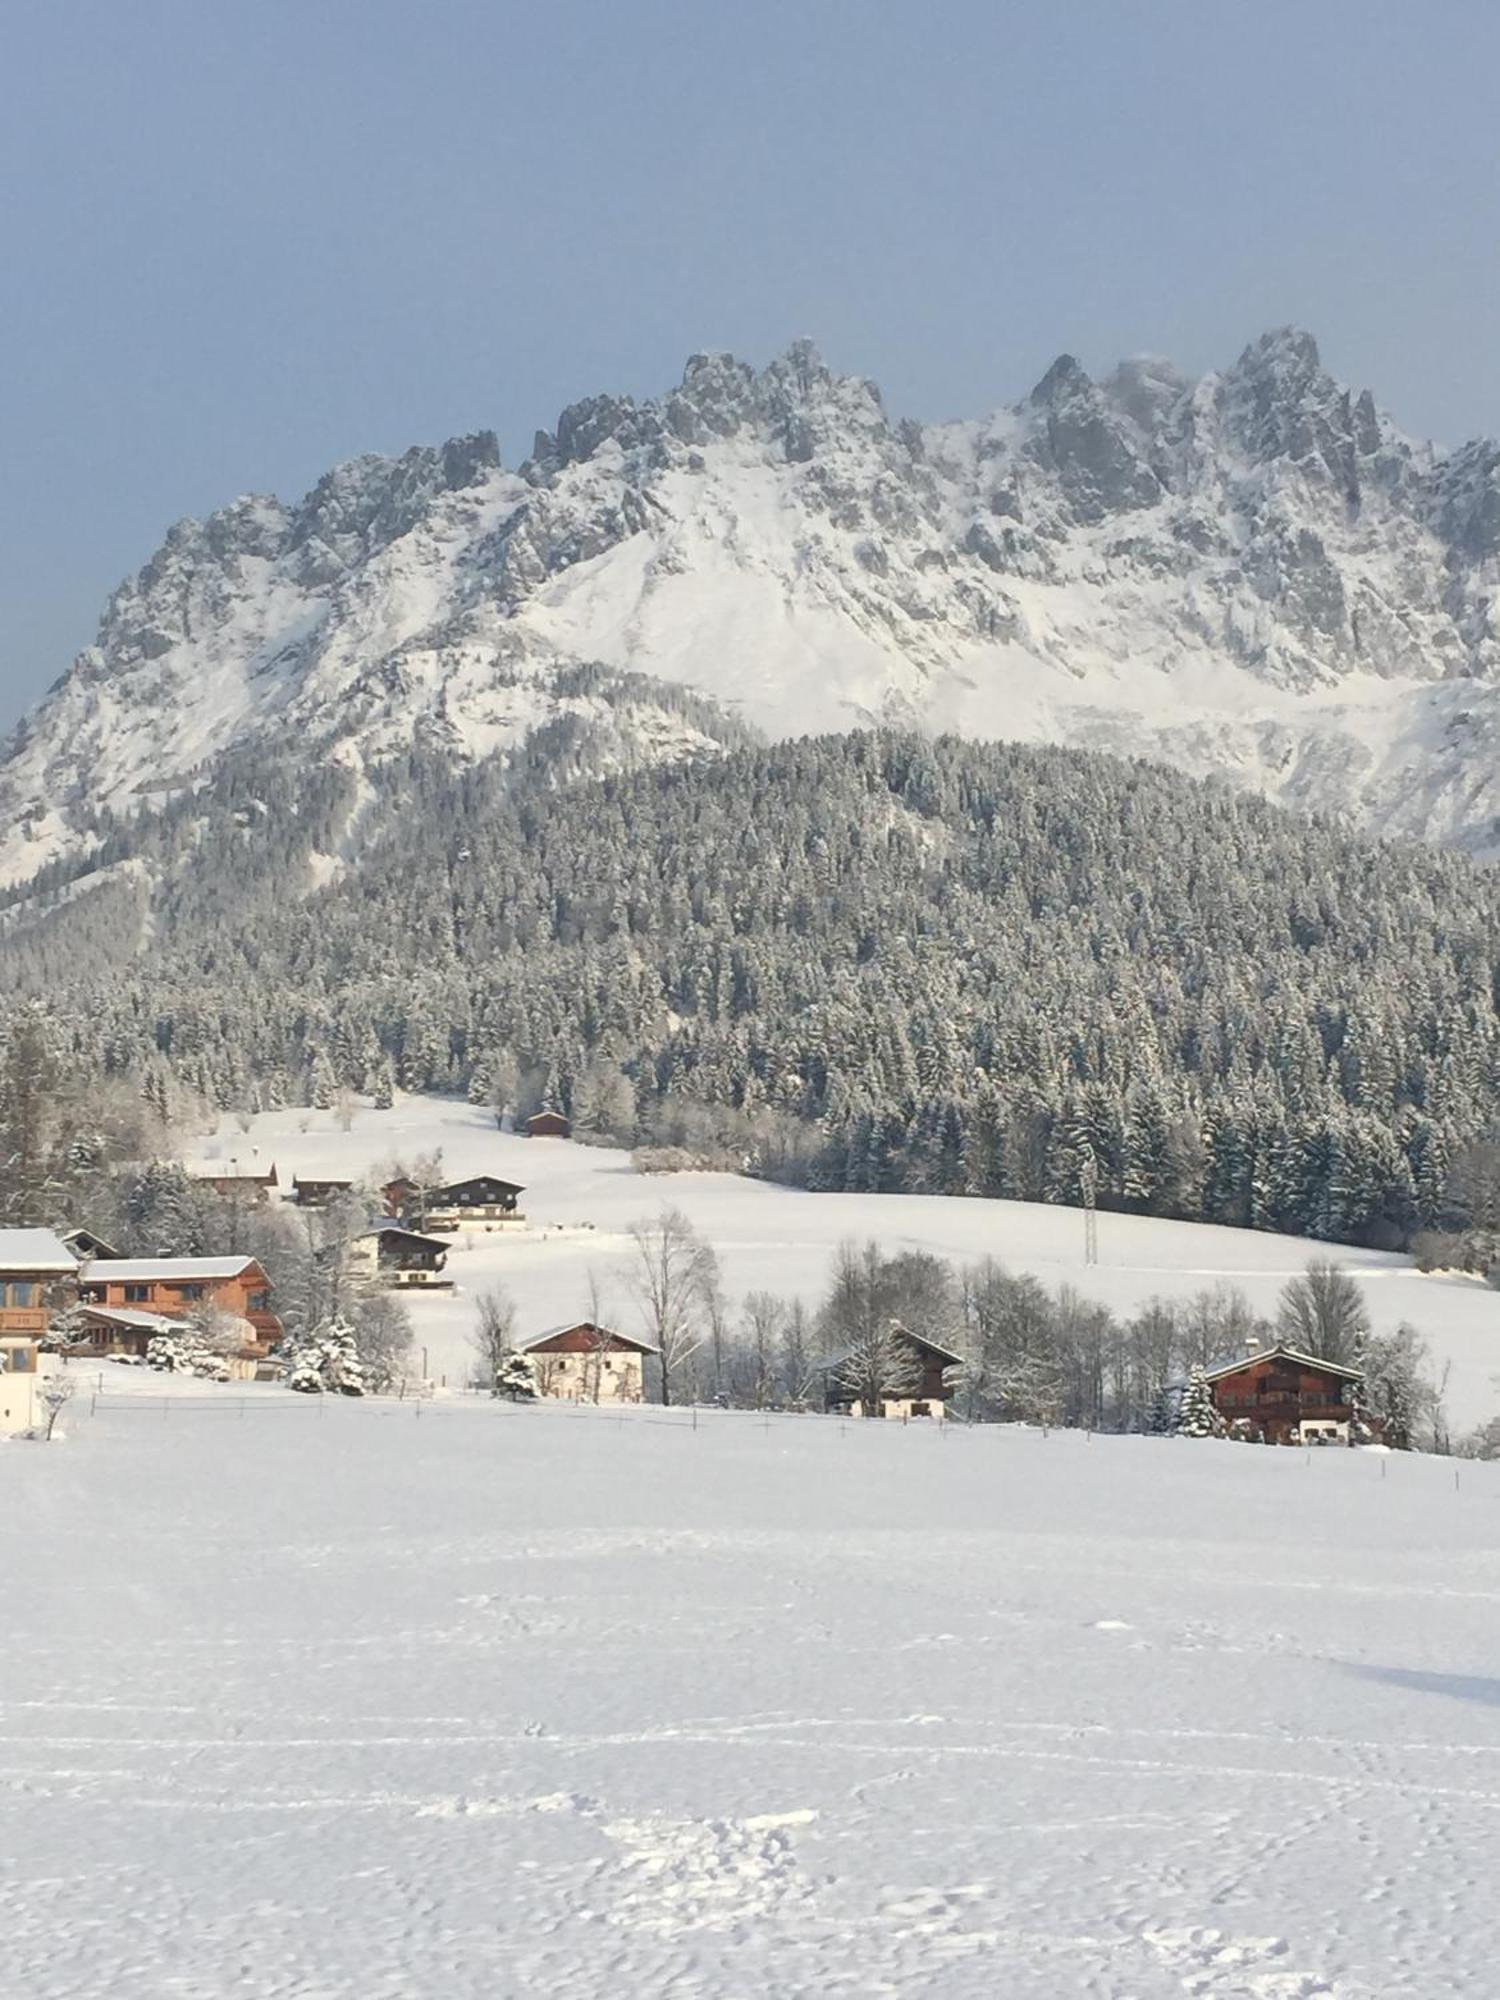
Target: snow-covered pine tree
<point>1197,1413</point>
<point>325,1358</point>
<point>515,1377</point>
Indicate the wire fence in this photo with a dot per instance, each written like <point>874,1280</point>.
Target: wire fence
<point>711,1420</point>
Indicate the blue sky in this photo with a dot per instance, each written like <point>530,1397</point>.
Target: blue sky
<point>238,243</point>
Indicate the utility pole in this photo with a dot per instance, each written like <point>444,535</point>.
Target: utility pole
<point>1088,1178</point>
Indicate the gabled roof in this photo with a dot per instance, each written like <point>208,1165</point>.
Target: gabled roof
<point>39,1250</point>
<point>587,1326</point>
<point>434,1195</point>
<point>146,1270</point>
<point>918,1340</point>
<point>134,1316</point>
<point>84,1243</point>
<point>408,1235</point>
<point>1282,1352</point>
<point>223,1170</point>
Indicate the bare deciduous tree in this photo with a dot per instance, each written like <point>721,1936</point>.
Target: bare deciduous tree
<point>764,1315</point>
<point>876,1362</point>
<point>1323,1312</point>
<point>676,1277</point>
<point>57,1390</point>
<point>493,1335</point>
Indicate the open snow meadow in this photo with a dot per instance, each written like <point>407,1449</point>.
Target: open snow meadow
<point>306,1699</point>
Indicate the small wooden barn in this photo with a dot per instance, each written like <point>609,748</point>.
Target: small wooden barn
<point>548,1125</point>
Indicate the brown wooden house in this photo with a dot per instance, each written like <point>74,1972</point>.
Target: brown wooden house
<point>585,1363</point>
<point>484,1201</point>
<point>37,1271</point>
<point>401,1259</point>
<point>399,1196</point>
<point>172,1286</point>
<point>317,1194</point>
<point>1280,1396</point>
<point>244,1187</point>
<point>548,1125</point>
<point>921,1383</point>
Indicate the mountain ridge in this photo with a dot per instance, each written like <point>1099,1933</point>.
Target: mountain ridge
<point>1254,574</point>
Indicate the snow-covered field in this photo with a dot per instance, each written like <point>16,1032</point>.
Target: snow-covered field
<point>318,1701</point>
<point>580,1202</point>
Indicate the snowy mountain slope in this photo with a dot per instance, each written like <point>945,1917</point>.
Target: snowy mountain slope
<point>1255,575</point>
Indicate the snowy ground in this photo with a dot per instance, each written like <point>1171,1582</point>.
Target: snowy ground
<point>304,1701</point>
<point>580,1202</point>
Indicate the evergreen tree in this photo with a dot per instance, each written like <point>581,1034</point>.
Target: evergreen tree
<point>1197,1413</point>
<point>515,1378</point>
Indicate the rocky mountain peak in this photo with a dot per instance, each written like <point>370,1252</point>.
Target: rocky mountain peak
<point>1254,574</point>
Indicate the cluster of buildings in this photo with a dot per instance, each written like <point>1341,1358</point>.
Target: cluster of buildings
<point>118,1304</point>
<point>1269,1395</point>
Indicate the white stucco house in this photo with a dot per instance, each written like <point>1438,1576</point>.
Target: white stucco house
<point>20,1384</point>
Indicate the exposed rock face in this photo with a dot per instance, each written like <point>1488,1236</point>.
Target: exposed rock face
<point>1255,573</point>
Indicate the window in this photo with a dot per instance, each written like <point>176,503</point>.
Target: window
<point>137,1295</point>
<point>190,1291</point>
<point>21,1290</point>
<point>259,1302</point>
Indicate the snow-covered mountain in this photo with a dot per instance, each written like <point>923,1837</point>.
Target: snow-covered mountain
<point>1253,574</point>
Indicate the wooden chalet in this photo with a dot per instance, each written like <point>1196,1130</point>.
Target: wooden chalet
<point>1277,1395</point>
<point>400,1258</point>
<point>925,1380</point>
<point>548,1125</point>
<point>483,1202</point>
<point>170,1287</point>
<point>37,1272</point>
<point>318,1194</point>
<point>85,1245</point>
<point>399,1195</point>
<point>243,1187</point>
<point>585,1363</point>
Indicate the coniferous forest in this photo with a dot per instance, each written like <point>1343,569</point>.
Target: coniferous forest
<point>869,962</point>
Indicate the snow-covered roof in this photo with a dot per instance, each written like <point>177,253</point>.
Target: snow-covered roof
<point>135,1316</point>
<point>144,1270</point>
<point>586,1326</point>
<point>919,1340</point>
<point>410,1235</point>
<point>84,1243</point>
<point>1282,1352</point>
<point>35,1250</point>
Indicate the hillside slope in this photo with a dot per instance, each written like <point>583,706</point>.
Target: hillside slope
<point>1255,575</point>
